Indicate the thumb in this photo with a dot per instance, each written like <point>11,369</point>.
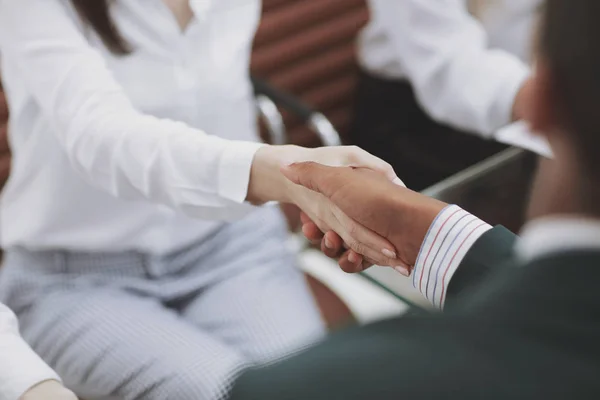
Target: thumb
<point>316,177</point>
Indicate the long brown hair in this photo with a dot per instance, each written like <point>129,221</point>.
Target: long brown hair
<point>96,14</point>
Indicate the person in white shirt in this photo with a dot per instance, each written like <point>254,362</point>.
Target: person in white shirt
<point>433,70</point>
<point>132,125</point>
<point>23,374</point>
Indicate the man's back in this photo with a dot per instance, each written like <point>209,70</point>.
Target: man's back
<point>524,329</point>
<point>527,331</point>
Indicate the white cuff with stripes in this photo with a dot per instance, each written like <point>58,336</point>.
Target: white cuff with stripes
<point>450,237</point>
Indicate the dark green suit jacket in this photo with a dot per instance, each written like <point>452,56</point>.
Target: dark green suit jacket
<point>509,331</point>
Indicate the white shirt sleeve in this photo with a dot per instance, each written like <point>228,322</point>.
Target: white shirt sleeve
<point>20,368</point>
<point>115,147</point>
<point>444,52</point>
<point>450,237</point>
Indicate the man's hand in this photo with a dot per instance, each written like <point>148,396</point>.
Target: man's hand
<point>391,211</point>
<point>49,390</point>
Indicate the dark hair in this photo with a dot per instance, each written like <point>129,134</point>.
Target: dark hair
<point>569,43</point>
<point>96,14</point>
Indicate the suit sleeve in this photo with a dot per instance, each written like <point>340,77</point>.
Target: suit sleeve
<point>422,357</point>
<point>493,250</point>
<point>414,355</point>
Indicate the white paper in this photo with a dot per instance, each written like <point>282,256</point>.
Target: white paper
<point>518,134</point>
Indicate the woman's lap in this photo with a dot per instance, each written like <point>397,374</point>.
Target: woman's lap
<point>111,343</point>
<point>183,324</point>
<point>264,313</point>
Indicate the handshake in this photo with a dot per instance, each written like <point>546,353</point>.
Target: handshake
<point>364,217</point>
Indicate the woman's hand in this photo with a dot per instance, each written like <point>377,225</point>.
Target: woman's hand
<point>267,183</point>
<point>49,390</point>
<point>333,246</point>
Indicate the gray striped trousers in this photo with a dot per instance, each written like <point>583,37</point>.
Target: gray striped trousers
<point>183,326</point>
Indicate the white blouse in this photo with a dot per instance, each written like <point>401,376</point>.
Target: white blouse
<point>116,153</point>
<point>465,71</point>
<point>20,368</point>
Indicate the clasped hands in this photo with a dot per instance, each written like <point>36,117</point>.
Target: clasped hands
<point>382,222</point>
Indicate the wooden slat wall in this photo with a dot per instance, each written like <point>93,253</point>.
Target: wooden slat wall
<point>307,47</point>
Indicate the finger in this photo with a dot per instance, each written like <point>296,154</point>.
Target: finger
<point>364,241</point>
<point>321,226</point>
<point>316,177</point>
<point>363,159</point>
<point>367,262</point>
<point>305,219</point>
<point>403,270</point>
<point>401,267</point>
<point>312,232</point>
<point>351,262</point>
<point>398,182</point>
<point>332,245</point>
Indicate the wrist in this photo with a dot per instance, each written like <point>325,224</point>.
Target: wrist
<point>267,183</point>
<point>415,215</point>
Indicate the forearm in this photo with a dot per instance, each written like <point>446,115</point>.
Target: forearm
<point>139,157</point>
<point>444,54</point>
<point>112,145</point>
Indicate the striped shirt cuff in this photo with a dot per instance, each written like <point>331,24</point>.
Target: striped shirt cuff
<point>448,240</point>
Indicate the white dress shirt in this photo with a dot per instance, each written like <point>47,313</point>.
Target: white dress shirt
<point>558,234</point>
<point>465,72</point>
<point>454,231</point>
<point>20,367</point>
<point>99,161</point>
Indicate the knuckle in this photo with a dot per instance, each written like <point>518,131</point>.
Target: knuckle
<point>352,230</point>
<point>358,247</point>
<point>331,253</point>
<point>387,167</point>
<point>353,154</point>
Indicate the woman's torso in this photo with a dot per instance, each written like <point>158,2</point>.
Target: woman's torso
<point>198,76</point>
